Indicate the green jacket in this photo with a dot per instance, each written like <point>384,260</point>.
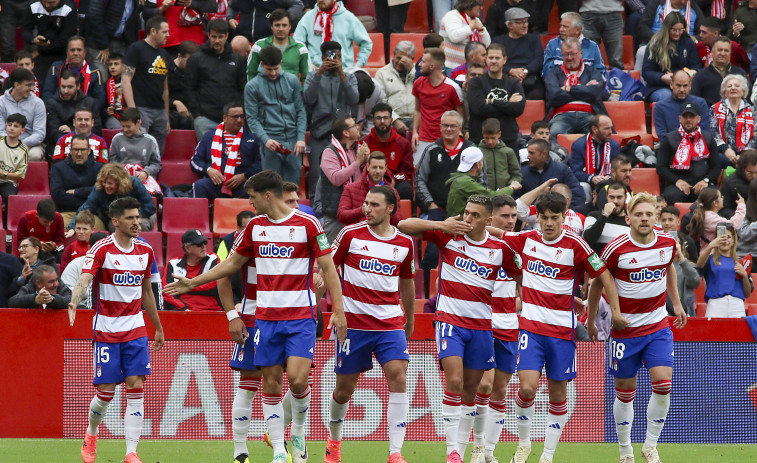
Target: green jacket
<point>294,58</point>
<point>748,17</point>
<point>461,186</point>
<point>502,165</point>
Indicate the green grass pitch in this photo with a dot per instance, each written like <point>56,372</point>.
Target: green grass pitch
<point>173,451</point>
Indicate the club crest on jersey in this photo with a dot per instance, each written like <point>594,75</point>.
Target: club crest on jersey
<point>99,371</point>
<point>127,279</point>
<point>141,261</point>
<point>538,267</point>
<point>558,254</point>
<point>375,266</point>
<point>444,344</point>
<point>491,255</point>
<point>470,265</point>
<point>271,250</point>
<point>395,253</point>
<point>241,355</point>
<point>291,233</point>
<point>662,256</point>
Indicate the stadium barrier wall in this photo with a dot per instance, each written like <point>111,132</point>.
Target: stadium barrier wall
<point>189,395</point>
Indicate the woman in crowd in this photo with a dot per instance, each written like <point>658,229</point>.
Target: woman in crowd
<point>705,218</point>
<point>31,255</point>
<point>732,118</point>
<point>728,284</point>
<point>670,50</point>
<point>460,26</point>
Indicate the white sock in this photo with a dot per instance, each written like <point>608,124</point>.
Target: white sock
<point>337,412</point>
<point>300,407</point>
<point>479,423</point>
<point>524,413</point>
<point>451,416</point>
<point>622,410</point>
<point>657,411</point>
<point>556,419</point>
<point>467,415</point>
<point>273,412</point>
<point>135,411</point>
<point>286,402</point>
<point>396,420</point>
<point>495,420</point>
<point>97,408</point>
<point>241,410</point>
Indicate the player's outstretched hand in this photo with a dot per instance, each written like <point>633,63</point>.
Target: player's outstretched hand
<point>579,306</point>
<point>160,340</point>
<point>238,331</point>
<point>318,281</point>
<point>619,322</point>
<point>182,285</point>
<point>593,332</point>
<point>339,323</point>
<point>681,318</point>
<point>71,313</point>
<point>453,226</point>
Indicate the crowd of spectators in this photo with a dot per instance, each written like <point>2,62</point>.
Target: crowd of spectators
<point>286,85</point>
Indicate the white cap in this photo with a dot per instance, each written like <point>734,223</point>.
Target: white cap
<point>470,156</point>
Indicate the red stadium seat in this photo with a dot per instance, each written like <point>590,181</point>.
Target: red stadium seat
<point>108,135</point>
<point>180,145</point>
<point>645,179</point>
<point>182,214</point>
<point>9,67</point>
<point>553,27</point>
<point>176,173</point>
<point>406,208</point>
<point>433,282</point>
<point>751,309</point>
<point>18,205</point>
<point>566,139</point>
<point>635,74</point>
<point>377,57</point>
<point>173,245</point>
<point>3,235</point>
<point>629,117</point>
<point>685,208</point>
<point>701,308</point>
<point>417,18</point>
<point>699,291</point>
<point>37,179</point>
<point>155,239</point>
<point>534,112</point>
<point>545,38</point>
<point>225,212</point>
<point>417,40</point>
<point>629,57</point>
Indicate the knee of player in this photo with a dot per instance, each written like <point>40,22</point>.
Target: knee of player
<point>527,391</point>
<point>342,396</point>
<point>454,384</point>
<point>485,386</point>
<point>298,385</point>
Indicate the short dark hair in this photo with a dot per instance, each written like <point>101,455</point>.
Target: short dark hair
<point>244,215</point>
<point>378,155</point>
<point>20,75</point>
<point>723,39</point>
<point>551,201</point>
<point>85,217</point>
<point>432,40</point>
<point>542,145</point>
<point>389,196</point>
<point>68,74</point>
<point>265,181</point>
<point>154,23</point>
<point>118,207</point>
<point>74,38</point>
<point>18,118</point>
<point>270,56</point>
<point>39,273</point>
<point>538,125</point>
<point>470,47</point>
<point>618,161</point>
<point>436,54</point>
<point>671,210</point>
<point>280,13</point>
<point>330,45</point>
<point>502,201</point>
<point>473,66</point>
<point>482,201</point>
<point>232,104</point>
<point>497,46</point>
<point>85,110</point>
<point>711,22</point>
<point>80,137</point>
<point>218,25</point>
<point>747,158</point>
<point>463,5</point>
<point>131,115</point>
<point>382,107</point>
<point>116,57</point>
<point>290,186</point>
<point>616,186</point>
<point>339,126</point>
<point>187,47</point>
<point>24,53</point>
<point>46,209</point>
<point>490,126</point>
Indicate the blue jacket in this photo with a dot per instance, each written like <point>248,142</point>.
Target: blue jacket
<point>532,179</point>
<point>591,94</point>
<point>592,55</point>
<point>665,114</point>
<point>578,157</point>
<point>686,56</point>
<point>249,152</point>
<point>99,201</point>
<point>67,175</point>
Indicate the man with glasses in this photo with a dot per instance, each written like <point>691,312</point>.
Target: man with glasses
<point>195,261</point>
<point>524,53</point>
<point>399,157</point>
<point>226,157</point>
<point>571,26</point>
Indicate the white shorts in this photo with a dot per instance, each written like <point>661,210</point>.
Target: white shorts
<point>725,307</point>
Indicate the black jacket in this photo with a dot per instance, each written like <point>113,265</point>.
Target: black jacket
<point>66,175</point>
<point>96,83</point>
<point>489,98</point>
<point>255,16</point>
<point>24,299</point>
<point>214,80</point>
<point>61,112</point>
<point>733,185</point>
<point>698,170</point>
<point>56,26</point>
<point>104,17</point>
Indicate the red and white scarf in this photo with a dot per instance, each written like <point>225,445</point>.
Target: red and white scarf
<point>36,87</point>
<point>668,8</point>
<point>572,77</point>
<point>152,186</point>
<point>718,9</point>
<point>688,151</point>
<point>476,37</point>
<point>232,151</point>
<point>591,158</point>
<point>115,95</point>
<point>344,160</point>
<point>85,73</point>
<point>744,124</point>
<point>223,6</point>
<point>324,22</point>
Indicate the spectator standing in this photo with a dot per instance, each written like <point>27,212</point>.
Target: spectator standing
<point>215,76</point>
<point>178,90</point>
<point>541,168</point>
<point>496,16</point>
<point>43,291</point>
<point>114,96</point>
<point>525,57</point>
<point>665,111</point>
<point>501,164</point>
<point>184,18</point>
<point>706,83</point>
<point>464,183</point>
<point>329,93</point>
<point>47,24</point>
<point>728,284</point>
<point>434,94</point>
<point>254,16</point>
<point>496,95</point>
<point>571,26</point>
<point>591,155</point>
<point>276,113</point>
<point>396,149</point>
<point>14,156</point>
<point>574,92</point>
<point>460,26</point>
<point>137,151</point>
<point>83,124</point>
<point>657,10</point>
<point>18,99</point>
<point>737,184</point>
<point>295,57</point>
<point>196,260</point>
<point>331,21</point>
<point>353,196</point>
<point>603,22</point>
<point>63,107</point>
<point>671,49</point>
<point>396,80</point>
<point>72,179</point>
<point>390,17</point>
<point>144,82</point>
<point>688,159</point>
<point>744,29</point>
<point>709,32</point>
<point>84,224</point>
<point>432,40</point>
<point>226,157</point>
<point>732,118</point>
<point>11,15</point>
<point>111,25</point>
<point>89,77</point>
<point>341,164</point>
<point>475,53</point>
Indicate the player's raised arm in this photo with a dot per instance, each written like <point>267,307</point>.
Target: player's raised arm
<point>79,290</point>
<point>331,278</point>
<point>228,267</point>
<point>672,288</point>
<point>148,301</point>
<point>416,227</point>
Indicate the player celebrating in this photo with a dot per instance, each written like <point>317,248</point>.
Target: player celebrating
<point>283,242</point>
<point>121,266</point>
<point>376,260</point>
<point>471,259</point>
<point>642,263</point>
<point>551,261</point>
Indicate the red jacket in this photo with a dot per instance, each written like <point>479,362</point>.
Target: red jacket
<point>353,196</point>
<point>739,57</point>
<point>399,156</point>
<point>28,225</point>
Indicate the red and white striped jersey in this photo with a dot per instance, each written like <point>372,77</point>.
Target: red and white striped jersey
<point>550,272</point>
<point>640,272</point>
<point>118,276</point>
<point>504,318</point>
<point>284,251</point>
<point>250,299</point>
<point>372,266</point>
<point>466,279</point>
<point>574,221</point>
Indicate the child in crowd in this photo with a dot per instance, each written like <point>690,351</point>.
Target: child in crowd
<point>84,225</point>
<point>25,60</point>
<point>114,94</point>
<point>705,216</point>
<point>502,165</point>
<point>137,151</point>
<point>728,283</point>
<point>540,131</point>
<point>13,156</point>
<point>45,224</point>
